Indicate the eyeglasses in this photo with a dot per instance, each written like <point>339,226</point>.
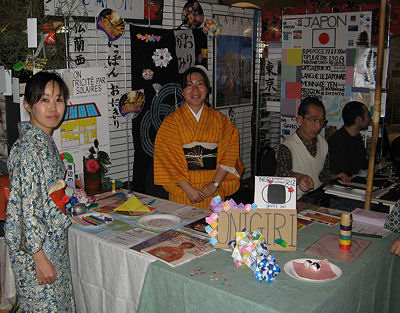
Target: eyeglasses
<point>316,121</point>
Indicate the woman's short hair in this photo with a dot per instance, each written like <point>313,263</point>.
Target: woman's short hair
<point>192,70</point>
<point>36,86</point>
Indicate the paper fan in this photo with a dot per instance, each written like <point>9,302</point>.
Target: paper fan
<point>111,23</point>
<point>192,14</point>
<point>131,103</point>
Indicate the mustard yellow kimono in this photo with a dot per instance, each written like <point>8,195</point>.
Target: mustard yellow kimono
<point>171,165</point>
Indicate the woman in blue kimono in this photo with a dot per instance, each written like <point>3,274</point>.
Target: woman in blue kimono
<point>393,224</point>
<point>36,229</point>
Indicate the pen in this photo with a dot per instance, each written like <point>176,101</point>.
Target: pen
<point>366,235</point>
<point>97,218</point>
<point>89,221</point>
<point>94,220</point>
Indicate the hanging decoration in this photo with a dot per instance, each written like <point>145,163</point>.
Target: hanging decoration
<point>161,57</point>
<point>157,87</point>
<point>156,8</point>
<point>18,66</point>
<point>111,23</point>
<point>148,38</point>
<point>39,63</point>
<point>147,74</point>
<point>271,25</point>
<point>50,40</point>
<point>212,28</point>
<point>192,14</point>
<point>131,103</point>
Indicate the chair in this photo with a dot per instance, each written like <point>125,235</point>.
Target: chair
<point>266,162</point>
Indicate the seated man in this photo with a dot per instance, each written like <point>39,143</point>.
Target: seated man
<point>346,148</point>
<point>304,155</point>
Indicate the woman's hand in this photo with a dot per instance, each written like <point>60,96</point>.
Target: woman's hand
<point>395,249</point>
<point>195,195</point>
<point>45,270</point>
<point>209,189</point>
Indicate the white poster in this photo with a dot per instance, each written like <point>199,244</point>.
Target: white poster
<point>327,30</point>
<point>365,67</point>
<point>288,127</point>
<point>86,117</point>
<point>323,72</point>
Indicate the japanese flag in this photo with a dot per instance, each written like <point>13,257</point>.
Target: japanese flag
<point>324,38</point>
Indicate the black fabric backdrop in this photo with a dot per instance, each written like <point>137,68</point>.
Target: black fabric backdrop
<point>156,105</point>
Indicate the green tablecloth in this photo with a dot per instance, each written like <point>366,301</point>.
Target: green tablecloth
<point>369,284</point>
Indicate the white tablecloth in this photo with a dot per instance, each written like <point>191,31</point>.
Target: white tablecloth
<point>7,283</point>
<point>106,277</point>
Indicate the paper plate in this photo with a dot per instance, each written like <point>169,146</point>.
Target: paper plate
<point>80,219</point>
<point>289,269</point>
<point>159,221</point>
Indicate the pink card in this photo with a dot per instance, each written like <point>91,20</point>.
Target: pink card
<point>328,247</point>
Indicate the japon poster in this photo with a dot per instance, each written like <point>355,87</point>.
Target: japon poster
<point>233,58</point>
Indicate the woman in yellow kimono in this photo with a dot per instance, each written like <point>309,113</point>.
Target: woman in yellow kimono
<point>196,151</point>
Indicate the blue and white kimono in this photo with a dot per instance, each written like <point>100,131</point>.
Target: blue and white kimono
<point>34,222</point>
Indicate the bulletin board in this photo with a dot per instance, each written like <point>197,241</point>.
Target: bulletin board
<point>318,59</point>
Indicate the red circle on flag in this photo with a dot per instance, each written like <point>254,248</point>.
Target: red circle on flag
<point>323,38</point>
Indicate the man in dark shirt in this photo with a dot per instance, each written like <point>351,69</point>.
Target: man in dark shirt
<point>346,148</point>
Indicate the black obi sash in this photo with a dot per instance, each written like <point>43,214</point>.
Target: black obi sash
<point>199,157</point>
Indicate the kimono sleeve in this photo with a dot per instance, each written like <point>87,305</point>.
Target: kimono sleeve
<point>170,166</point>
<point>33,223</point>
<point>228,156</point>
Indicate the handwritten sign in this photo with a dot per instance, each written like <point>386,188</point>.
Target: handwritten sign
<point>275,192</point>
<point>323,72</point>
<point>184,48</point>
<point>273,224</point>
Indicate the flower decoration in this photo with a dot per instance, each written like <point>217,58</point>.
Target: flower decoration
<point>147,74</point>
<point>92,166</point>
<point>212,28</point>
<point>161,57</point>
<point>96,161</point>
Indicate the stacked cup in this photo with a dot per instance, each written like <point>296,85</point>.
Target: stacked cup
<point>345,231</point>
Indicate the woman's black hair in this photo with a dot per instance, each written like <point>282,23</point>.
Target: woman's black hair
<point>192,70</point>
<point>36,85</point>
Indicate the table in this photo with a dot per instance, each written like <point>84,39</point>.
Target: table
<point>370,284</point>
<point>108,277</point>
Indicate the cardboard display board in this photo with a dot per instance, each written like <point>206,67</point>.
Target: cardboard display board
<point>272,223</point>
<point>275,216</point>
